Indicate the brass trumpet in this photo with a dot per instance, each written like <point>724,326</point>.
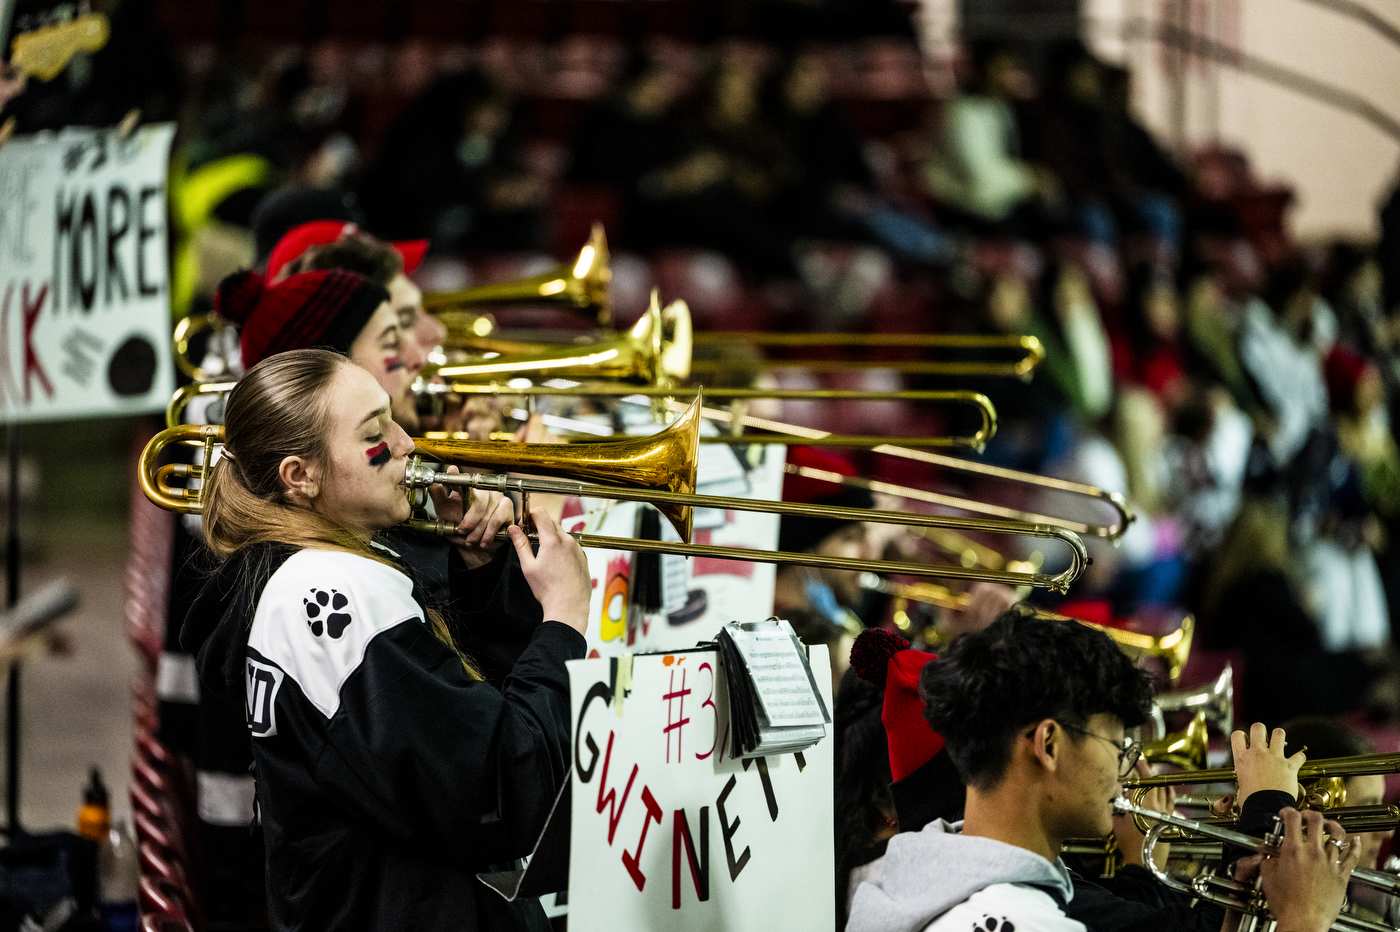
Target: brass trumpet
<point>580,286</point>
<point>1322,782</point>
<point>1311,771</point>
<point>1188,845</point>
<point>1230,893</point>
<point>1031,353</point>
<point>661,468</point>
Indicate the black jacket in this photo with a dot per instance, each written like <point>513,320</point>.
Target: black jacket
<point>387,777</point>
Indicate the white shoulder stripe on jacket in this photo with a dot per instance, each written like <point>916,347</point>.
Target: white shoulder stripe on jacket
<point>318,613</point>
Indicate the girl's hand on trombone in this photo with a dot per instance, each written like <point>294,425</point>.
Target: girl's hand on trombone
<point>477,522</point>
<point>558,574</point>
<point>1260,764</point>
<point>1305,884</point>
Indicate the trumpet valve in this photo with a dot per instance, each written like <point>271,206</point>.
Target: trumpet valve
<point>1326,793</point>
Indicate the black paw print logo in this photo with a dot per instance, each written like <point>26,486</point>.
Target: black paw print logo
<point>993,924</point>
<point>322,601</point>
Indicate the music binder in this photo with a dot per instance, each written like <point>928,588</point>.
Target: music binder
<point>775,706</point>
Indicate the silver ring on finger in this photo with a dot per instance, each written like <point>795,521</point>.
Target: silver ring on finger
<point>1340,846</point>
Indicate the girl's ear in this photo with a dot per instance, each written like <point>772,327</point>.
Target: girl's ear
<point>301,479</point>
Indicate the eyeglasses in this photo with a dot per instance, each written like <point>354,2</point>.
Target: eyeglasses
<point>1128,750</point>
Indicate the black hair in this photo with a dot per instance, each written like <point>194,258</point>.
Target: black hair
<point>993,683</point>
<point>862,780</point>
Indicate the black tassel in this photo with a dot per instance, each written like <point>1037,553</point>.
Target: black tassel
<point>646,567</point>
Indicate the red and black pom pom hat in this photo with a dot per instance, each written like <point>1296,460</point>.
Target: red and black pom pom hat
<point>311,309</point>
<point>926,782</point>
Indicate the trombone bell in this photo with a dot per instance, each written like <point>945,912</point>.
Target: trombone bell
<point>578,286</point>
<point>665,461</point>
<point>1173,649</point>
<point>1216,701</point>
<point>651,353</point>
<point>1187,749</point>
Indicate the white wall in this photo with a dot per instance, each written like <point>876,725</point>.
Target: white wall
<point>1339,164</point>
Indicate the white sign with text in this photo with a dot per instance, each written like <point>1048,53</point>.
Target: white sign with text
<point>668,830</point>
<point>84,274</point>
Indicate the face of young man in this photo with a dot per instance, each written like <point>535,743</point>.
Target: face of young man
<point>1086,778</point>
<point>415,323</point>
<point>1367,790</point>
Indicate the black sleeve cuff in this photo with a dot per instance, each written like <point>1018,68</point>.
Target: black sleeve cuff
<point>565,638</point>
<point>1256,818</point>
<point>1258,811</point>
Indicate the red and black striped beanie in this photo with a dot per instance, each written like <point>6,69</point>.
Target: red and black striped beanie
<point>312,309</point>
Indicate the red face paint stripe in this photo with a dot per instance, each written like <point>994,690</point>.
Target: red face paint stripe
<point>379,455</point>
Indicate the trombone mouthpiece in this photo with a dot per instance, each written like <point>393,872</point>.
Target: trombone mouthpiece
<point>417,475</point>
<point>1121,804</point>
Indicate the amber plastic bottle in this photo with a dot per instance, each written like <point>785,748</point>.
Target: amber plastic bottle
<point>95,817</point>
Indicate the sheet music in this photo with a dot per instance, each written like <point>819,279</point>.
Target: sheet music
<point>780,676</point>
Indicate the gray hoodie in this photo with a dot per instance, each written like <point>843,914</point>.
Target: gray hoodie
<point>943,881</point>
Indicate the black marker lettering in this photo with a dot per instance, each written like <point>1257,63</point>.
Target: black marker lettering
<point>116,195</point>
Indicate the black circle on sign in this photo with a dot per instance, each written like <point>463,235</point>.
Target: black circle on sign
<point>132,370</point>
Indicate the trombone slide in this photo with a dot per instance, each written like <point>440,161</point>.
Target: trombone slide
<point>1031,348</point>
<point>419,477</point>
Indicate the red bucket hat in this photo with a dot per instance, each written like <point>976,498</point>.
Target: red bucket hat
<point>324,232</point>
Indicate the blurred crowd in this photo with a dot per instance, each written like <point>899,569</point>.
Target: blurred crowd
<point>1232,382</point>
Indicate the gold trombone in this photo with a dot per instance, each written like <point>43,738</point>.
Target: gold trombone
<point>1187,749</point>
<point>1030,351</point>
<point>651,353</point>
<point>578,286</point>
<point>812,437</point>
<point>782,433</point>
<point>1173,649</point>
<point>584,286</point>
<point>175,411</point>
<point>900,448</point>
<point>658,469</point>
<point>185,330</point>
<point>655,357</point>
